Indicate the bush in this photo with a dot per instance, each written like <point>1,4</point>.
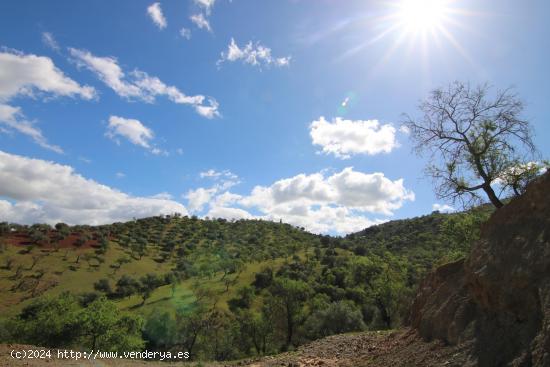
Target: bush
<point>102,326</point>
<point>160,330</point>
<point>48,322</point>
<point>263,279</point>
<point>339,317</point>
<point>104,286</point>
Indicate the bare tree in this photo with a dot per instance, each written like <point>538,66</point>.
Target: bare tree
<point>474,138</point>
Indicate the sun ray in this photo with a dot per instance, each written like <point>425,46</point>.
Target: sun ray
<point>368,43</point>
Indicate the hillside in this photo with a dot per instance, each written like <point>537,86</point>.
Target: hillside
<point>217,272</point>
<point>497,300</point>
<point>40,260</point>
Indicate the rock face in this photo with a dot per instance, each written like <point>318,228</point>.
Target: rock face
<point>497,301</point>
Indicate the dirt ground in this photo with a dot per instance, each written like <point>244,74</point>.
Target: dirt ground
<point>372,349</point>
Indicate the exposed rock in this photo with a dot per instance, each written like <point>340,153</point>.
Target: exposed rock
<point>498,299</point>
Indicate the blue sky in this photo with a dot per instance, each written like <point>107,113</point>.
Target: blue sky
<point>274,102</point>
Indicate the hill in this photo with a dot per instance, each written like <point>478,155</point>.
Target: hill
<point>177,274</point>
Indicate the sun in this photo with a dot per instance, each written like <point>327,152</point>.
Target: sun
<point>420,16</point>
<point>423,28</point>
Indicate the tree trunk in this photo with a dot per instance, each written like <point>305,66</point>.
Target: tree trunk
<point>492,196</point>
<point>384,313</point>
<point>486,181</point>
<point>290,327</point>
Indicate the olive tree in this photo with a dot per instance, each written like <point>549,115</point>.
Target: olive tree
<point>475,137</point>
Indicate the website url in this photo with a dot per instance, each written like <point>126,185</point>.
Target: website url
<point>96,354</point>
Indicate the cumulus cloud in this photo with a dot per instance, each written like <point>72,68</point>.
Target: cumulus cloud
<point>155,12</point>
<point>35,77</point>
<point>42,191</point>
<point>444,208</point>
<point>373,193</point>
<point>198,198</point>
<point>336,203</point>
<point>140,85</point>
<point>201,22</point>
<point>49,40</point>
<point>228,213</point>
<point>344,138</point>
<point>223,180</point>
<point>130,129</point>
<point>324,219</point>
<point>253,54</point>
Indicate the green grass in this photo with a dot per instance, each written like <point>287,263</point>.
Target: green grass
<point>58,277</point>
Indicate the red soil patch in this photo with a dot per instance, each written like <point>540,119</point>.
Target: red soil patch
<point>22,239</point>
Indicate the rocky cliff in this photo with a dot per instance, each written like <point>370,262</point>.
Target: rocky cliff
<point>497,301</point>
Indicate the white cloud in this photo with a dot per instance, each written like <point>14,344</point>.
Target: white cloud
<point>120,175</point>
<point>139,84</point>
<point>185,33</point>
<point>162,196</point>
<point>443,208</point>
<point>158,151</point>
<point>226,198</point>
<point>253,54</point>
<point>210,110</point>
<point>42,191</point>
<point>131,129</point>
<point>155,12</point>
<point>212,173</point>
<point>344,138</point>
<point>35,77</point>
<point>228,213</point>
<point>323,219</point>
<point>200,21</point>
<point>13,117</point>
<point>26,75</point>
<point>49,40</point>
<point>404,129</point>
<point>110,73</point>
<point>337,203</point>
<point>373,193</point>
<point>197,199</point>
<point>206,4</point>
<point>223,181</point>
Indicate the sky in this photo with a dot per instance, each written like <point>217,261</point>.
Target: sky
<point>280,110</point>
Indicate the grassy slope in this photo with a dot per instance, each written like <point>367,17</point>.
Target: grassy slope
<point>257,244</point>
<point>63,273</point>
